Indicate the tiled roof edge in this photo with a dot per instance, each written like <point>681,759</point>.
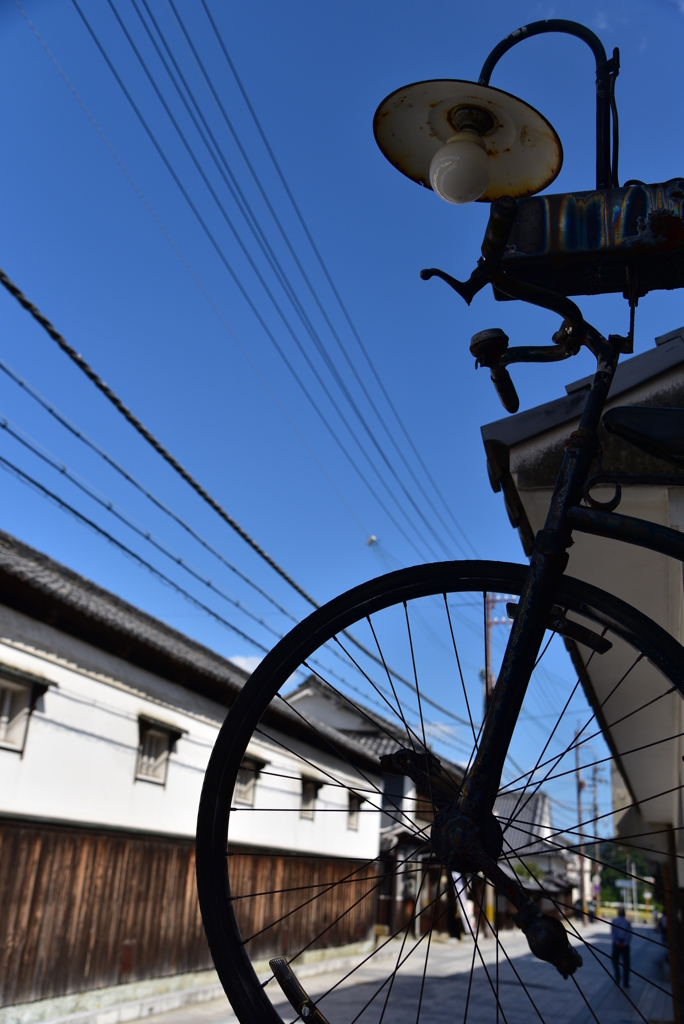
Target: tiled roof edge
<point>45,590</point>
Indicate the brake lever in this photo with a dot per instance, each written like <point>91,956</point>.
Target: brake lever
<point>499,226</point>
<point>466,289</point>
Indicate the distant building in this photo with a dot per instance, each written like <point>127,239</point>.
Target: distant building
<point>407,820</point>
<point>544,865</point>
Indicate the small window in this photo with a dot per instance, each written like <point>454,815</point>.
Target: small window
<point>424,807</point>
<point>355,802</point>
<point>245,784</point>
<point>310,789</point>
<point>15,707</point>
<point>156,743</point>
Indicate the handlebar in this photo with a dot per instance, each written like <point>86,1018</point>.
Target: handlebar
<point>490,347</point>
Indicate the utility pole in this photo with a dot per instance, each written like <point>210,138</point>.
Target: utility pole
<point>635,893</point>
<point>489,682</point>
<point>582,867</point>
<point>491,601</point>
<point>596,867</point>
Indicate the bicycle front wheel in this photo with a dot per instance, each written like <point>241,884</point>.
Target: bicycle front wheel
<point>312,860</point>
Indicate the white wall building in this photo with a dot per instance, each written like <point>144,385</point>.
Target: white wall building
<point>107,721</point>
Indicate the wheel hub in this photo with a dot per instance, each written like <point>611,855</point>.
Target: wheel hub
<point>464,843</point>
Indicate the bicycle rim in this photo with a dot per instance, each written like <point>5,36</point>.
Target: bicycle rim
<point>305,851</point>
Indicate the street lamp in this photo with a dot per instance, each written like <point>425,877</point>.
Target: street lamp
<point>468,141</point>
<point>439,131</point>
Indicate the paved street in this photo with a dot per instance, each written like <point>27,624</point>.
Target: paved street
<point>446,987</point>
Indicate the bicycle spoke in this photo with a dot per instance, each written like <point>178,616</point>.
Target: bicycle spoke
<point>573,979</point>
<point>598,732</point>
<point>602,760</point>
<point>395,711</point>
<point>300,757</point>
<point>394,972</point>
<point>491,984</point>
<point>420,706</point>
<point>595,951</point>
<point>472,962</point>
<point>389,679</point>
<point>553,732</point>
<point>460,670</point>
<point>427,955</point>
<point>503,950</point>
<point>594,860</point>
<point>375,952</point>
<point>616,810</point>
<point>335,750</point>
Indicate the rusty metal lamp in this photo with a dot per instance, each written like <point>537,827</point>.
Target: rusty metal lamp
<point>467,141</point>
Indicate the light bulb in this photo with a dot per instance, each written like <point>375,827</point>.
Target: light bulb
<point>459,171</point>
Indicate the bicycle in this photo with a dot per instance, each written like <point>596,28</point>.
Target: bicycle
<point>363,660</point>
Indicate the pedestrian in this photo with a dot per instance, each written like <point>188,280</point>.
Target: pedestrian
<point>663,928</point>
<point>621,931</point>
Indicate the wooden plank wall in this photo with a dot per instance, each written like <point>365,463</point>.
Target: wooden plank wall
<point>82,910</point>
<point>287,917</point>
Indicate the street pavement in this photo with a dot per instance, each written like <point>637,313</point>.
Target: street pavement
<point>545,995</point>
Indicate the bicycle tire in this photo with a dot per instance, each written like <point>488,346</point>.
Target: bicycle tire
<point>390,593</point>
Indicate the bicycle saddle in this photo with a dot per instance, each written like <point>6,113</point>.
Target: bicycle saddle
<point>658,432</point>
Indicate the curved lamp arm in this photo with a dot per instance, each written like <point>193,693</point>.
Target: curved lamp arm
<point>606,72</point>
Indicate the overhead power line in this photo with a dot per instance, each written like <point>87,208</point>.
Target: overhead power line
<point>317,253</point>
<point>152,212</point>
<point>148,436</point>
<point>158,447</point>
<point>94,447</point>
<point>270,335</point>
<point>66,507</point>
<point>277,269</point>
<point>85,488</point>
<point>51,460</point>
<point>219,158</point>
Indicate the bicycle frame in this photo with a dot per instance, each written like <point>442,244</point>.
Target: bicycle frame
<point>548,561</point>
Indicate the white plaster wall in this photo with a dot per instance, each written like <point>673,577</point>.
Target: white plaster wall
<point>274,821</point>
<point>80,755</point>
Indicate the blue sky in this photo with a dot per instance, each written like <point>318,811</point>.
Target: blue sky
<point>137,287</point>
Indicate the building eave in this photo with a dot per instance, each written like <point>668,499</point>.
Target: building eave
<point>44,590</point>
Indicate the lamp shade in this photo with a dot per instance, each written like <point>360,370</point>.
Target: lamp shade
<point>524,153</point>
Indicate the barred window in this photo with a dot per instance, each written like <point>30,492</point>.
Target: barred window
<point>156,743</point>
<point>245,784</point>
<point>310,789</point>
<point>15,707</point>
<point>355,802</point>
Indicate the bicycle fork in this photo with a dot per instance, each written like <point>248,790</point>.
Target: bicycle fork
<point>465,835</point>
